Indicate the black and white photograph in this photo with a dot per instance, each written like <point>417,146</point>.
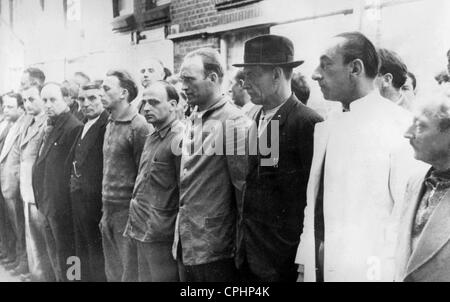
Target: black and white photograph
<point>245,143</point>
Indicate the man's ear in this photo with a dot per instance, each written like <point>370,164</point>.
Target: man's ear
<point>277,73</point>
<point>214,77</point>
<point>241,83</point>
<point>173,104</point>
<point>124,94</point>
<point>356,67</point>
<point>387,79</point>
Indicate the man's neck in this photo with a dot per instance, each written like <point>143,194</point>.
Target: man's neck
<point>161,125</point>
<point>216,97</point>
<point>276,100</point>
<point>442,165</point>
<point>361,90</point>
<point>119,109</point>
<point>94,117</point>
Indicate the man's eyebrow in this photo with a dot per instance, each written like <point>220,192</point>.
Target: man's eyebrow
<point>325,58</point>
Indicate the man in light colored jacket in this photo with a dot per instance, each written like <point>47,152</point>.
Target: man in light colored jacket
<point>358,174</point>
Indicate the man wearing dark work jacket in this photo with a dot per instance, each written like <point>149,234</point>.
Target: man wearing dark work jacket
<point>275,197</point>
<point>85,164</point>
<point>51,180</point>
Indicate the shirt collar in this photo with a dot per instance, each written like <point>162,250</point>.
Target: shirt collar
<point>164,130</point>
<point>127,116</point>
<point>59,119</point>
<point>93,121</point>
<point>220,103</point>
<point>361,102</point>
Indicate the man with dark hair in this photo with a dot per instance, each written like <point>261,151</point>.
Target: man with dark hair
<point>124,141</point>
<point>300,87</point>
<point>239,95</point>
<point>80,78</point>
<point>275,196</point>
<point>358,174</point>
<point>409,90</point>
<point>155,202</point>
<point>211,182</point>
<point>70,94</point>
<point>31,76</point>
<point>85,164</point>
<point>391,76</point>
<point>423,250</point>
<point>51,180</point>
<point>9,178</point>
<point>152,70</point>
<point>30,142</point>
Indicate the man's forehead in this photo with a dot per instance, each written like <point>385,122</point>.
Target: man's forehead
<point>192,64</point>
<point>92,91</point>
<point>9,100</point>
<point>155,91</point>
<point>152,63</point>
<point>52,89</point>
<point>332,47</point>
<point>111,80</point>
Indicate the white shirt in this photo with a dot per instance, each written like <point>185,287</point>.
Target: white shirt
<point>88,125</point>
<point>266,117</point>
<point>247,107</point>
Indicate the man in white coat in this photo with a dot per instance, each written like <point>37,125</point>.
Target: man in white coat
<point>355,187</point>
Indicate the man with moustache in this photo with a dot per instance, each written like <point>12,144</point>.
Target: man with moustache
<point>9,178</point>
<point>85,164</point>
<point>124,141</point>
<point>30,142</point>
<point>51,180</point>
<point>154,206</point>
<point>423,250</point>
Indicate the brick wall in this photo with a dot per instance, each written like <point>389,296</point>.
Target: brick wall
<point>193,15</point>
<point>183,47</point>
<point>198,14</point>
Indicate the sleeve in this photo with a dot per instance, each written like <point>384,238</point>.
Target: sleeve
<point>237,140</point>
<point>141,132</point>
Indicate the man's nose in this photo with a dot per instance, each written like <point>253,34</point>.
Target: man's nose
<point>316,76</point>
<point>409,134</point>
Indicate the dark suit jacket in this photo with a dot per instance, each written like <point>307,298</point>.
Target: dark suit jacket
<point>50,178</point>
<point>90,159</point>
<point>275,197</point>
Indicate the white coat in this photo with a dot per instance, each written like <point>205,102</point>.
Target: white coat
<point>366,163</point>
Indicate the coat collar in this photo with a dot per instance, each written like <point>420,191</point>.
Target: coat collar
<point>55,133</point>
<point>434,236</point>
<point>39,121</point>
<point>162,133</point>
<point>413,195</point>
<point>126,116</point>
<point>11,137</point>
<point>91,136</point>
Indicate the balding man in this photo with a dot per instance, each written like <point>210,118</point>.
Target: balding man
<point>358,174</point>
<point>51,180</point>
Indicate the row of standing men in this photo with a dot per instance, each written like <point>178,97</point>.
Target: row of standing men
<point>133,197</point>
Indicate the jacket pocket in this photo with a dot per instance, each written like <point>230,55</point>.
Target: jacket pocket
<point>164,194</point>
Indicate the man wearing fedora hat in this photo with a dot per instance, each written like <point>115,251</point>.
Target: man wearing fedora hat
<point>272,212</point>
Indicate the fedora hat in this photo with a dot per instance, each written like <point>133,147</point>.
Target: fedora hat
<point>269,50</point>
